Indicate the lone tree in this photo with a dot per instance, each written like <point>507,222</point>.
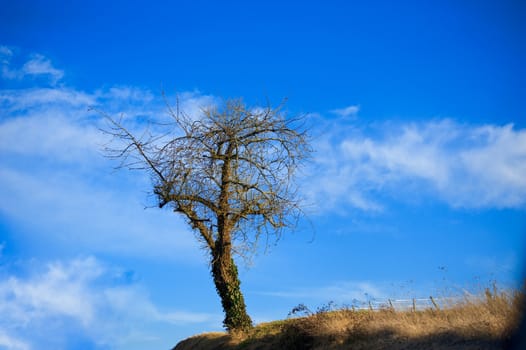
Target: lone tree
<point>229,172</point>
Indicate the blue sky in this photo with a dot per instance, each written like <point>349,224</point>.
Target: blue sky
<point>416,188</point>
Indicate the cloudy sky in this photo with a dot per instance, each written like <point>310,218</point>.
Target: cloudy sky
<point>417,186</point>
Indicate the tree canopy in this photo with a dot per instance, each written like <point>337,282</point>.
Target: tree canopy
<point>230,173</point>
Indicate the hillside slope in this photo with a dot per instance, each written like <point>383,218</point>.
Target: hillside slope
<point>485,324</point>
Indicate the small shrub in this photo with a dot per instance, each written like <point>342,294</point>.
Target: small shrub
<point>300,310</point>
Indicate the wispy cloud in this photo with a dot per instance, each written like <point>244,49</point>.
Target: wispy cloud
<point>54,171</point>
<point>52,133</point>
<point>465,166</point>
<point>34,99</point>
<point>193,102</point>
<point>5,54</point>
<point>37,66</point>
<point>40,65</point>
<point>349,111</point>
<point>97,218</point>
<point>345,292</point>
<point>11,343</point>
<point>78,298</point>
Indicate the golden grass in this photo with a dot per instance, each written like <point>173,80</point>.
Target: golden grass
<point>486,323</point>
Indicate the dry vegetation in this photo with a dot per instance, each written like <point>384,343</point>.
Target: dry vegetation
<point>487,323</point>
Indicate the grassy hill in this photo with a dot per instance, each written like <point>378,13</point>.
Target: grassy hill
<point>487,323</point>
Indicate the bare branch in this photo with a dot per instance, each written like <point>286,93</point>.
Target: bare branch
<point>232,168</point>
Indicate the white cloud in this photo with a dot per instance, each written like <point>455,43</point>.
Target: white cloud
<point>466,166</point>
<point>414,152</point>
<point>61,289</point>
<point>193,103</point>
<point>38,99</point>
<point>37,66</point>
<point>54,171</point>
<point>40,65</point>
<point>80,297</point>
<point>349,111</point>
<point>5,55</point>
<point>79,216</point>
<point>11,343</point>
<point>53,135</point>
<point>5,59</point>
<point>5,51</point>
<point>496,166</point>
<point>127,93</point>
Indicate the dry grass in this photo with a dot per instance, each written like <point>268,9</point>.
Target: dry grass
<point>486,323</point>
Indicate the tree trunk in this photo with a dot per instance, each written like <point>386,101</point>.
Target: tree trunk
<point>226,280</point>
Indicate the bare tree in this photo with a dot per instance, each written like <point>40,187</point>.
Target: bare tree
<point>229,172</point>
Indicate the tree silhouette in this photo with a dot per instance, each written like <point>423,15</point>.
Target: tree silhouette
<point>229,172</point>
